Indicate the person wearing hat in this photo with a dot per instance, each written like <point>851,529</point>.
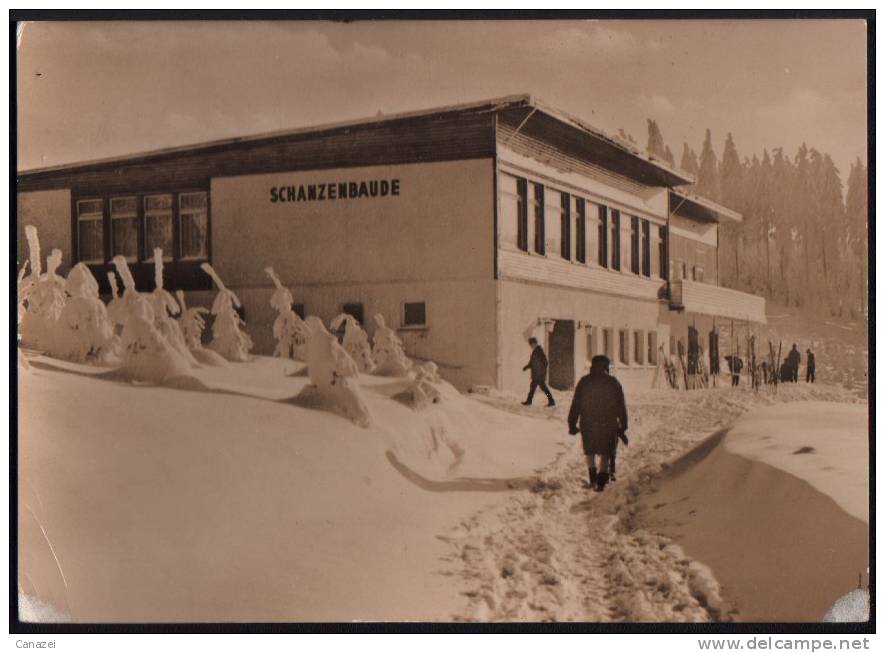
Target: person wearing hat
<point>600,410</point>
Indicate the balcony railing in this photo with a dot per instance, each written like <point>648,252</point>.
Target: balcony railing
<point>707,299</point>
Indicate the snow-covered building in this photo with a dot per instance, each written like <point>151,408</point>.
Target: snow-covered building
<point>468,228</point>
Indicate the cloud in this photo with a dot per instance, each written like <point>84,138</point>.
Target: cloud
<point>595,38</point>
<point>656,105</point>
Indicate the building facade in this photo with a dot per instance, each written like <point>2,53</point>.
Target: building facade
<point>468,228</point>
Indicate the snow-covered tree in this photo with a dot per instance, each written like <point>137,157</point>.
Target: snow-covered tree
<point>192,324</point>
<point>165,307</point>
<point>334,374</point>
<point>84,329</point>
<point>387,350</point>
<point>288,328</point>
<point>356,341</point>
<point>227,337</point>
<point>147,355</point>
<point>116,309</point>
<point>44,296</point>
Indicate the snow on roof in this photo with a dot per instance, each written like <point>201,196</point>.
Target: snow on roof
<point>702,208</point>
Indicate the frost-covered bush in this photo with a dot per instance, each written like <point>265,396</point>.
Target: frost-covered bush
<point>44,297</point>
<point>333,374</point>
<point>146,354</point>
<point>227,337</point>
<point>84,330</point>
<point>390,359</point>
<point>356,342</point>
<point>288,329</point>
<point>165,307</point>
<point>192,324</point>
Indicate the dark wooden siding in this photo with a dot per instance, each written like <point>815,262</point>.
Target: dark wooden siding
<point>413,140</point>
<point>692,253</point>
<point>550,141</point>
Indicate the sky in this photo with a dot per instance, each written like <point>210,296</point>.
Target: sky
<point>93,90</point>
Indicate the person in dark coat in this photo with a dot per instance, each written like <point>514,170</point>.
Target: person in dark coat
<point>735,365</point>
<point>599,408</point>
<point>809,366</point>
<point>538,366</point>
<point>794,358</point>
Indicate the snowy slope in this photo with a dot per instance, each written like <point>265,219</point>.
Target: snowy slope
<point>823,443</point>
<point>232,502</point>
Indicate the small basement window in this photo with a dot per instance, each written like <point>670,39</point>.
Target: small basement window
<point>652,348</point>
<point>623,347</point>
<point>607,344</point>
<point>90,231</point>
<point>638,349</point>
<point>414,314</point>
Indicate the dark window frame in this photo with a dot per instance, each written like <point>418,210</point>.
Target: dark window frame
<point>664,262</point>
<point>522,215</point>
<point>412,324</point>
<point>356,310</point>
<point>634,244</point>
<point>616,239</point>
<point>646,248</point>
<point>538,199</point>
<point>580,230</point>
<point>565,226</point>
<point>603,236</point>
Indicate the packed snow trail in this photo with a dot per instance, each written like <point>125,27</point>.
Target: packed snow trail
<point>560,552</point>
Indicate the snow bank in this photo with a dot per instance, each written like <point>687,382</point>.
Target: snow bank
<point>823,443</point>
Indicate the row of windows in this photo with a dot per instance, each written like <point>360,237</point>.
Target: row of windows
<point>414,314</point>
<point>644,349</point>
<point>523,201</point>
<point>132,226</point>
<point>679,269</point>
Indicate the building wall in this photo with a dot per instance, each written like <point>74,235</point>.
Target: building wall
<point>439,227</point>
<point>50,212</point>
<point>526,305</point>
<point>693,244</point>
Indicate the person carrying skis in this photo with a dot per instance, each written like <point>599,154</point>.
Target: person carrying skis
<point>794,358</point>
<point>538,366</point>
<point>599,407</point>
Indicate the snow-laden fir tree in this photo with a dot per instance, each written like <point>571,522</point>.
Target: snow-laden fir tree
<point>192,324</point>
<point>387,350</point>
<point>288,329</point>
<point>44,297</point>
<point>356,341</point>
<point>333,374</point>
<point>165,307</point>
<point>227,337</point>
<point>116,309</point>
<point>84,329</point>
<point>147,355</point>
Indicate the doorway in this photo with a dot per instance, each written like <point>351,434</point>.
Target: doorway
<point>562,354</point>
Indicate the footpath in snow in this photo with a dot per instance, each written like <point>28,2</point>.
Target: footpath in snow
<point>560,552</point>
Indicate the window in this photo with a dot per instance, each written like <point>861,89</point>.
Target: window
<point>124,227</point>
<point>616,239</point>
<point>662,251</point>
<point>580,230</point>
<point>538,203</point>
<point>355,309</point>
<point>90,231</point>
<point>638,347</point>
<point>299,310</point>
<point>698,273</point>
<point>414,314</point>
<point>672,345</point>
<point>646,248</point>
<point>158,226</point>
<point>634,244</point>
<point>602,257</point>
<point>565,225</point>
<point>684,270</point>
<point>652,348</point>
<point>607,344</point>
<point>522,238</point>
<point>591,342</point>
<point>193,221</point>
<point>623,347</point>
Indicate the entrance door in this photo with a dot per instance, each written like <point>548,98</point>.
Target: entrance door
<point>561,354</point>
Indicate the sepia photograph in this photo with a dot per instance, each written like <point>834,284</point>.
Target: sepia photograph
<point>453,322</point>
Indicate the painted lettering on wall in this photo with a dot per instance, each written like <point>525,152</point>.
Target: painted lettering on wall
<point>340,190</point>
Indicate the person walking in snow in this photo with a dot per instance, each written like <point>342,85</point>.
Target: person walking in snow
<point>538,366</point>
<point>794,358</point>
<point>809,366</point>
<point>735,365</point>
<point>599,408</point>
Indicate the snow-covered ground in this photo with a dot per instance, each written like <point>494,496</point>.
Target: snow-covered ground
<point>230,501</point>
<point>224,497</point>
<point>823,443</point>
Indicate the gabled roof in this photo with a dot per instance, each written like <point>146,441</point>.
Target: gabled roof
<point>694,207</point>
<point>648,167</point>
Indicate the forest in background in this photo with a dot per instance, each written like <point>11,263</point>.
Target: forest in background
<point>803,238</point>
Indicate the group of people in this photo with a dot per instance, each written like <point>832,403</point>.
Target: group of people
<point>788,372</point>
<point>598,412</point>
<point>599,409</point>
